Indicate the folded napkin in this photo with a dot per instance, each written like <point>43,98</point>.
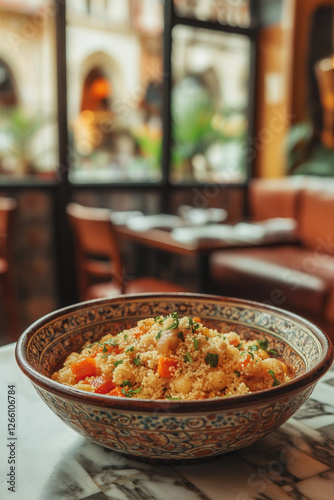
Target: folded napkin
<point>145,222</point>
<point>201,216</point>
<point>193,234</point>
<point>124,216</point>
<point>277,229</point>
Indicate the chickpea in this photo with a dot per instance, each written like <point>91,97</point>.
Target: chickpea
<point>233,338</point>
<point>167,341</point>
<point>183,384</point>
<point>262,354</point>
<point>217,380</point>
<point>277,366</point>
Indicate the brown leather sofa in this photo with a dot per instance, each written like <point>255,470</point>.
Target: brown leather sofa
<point>298,277</point>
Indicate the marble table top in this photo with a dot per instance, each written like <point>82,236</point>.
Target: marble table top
<point>52,462</point>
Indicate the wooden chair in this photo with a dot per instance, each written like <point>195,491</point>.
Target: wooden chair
<point>7,211</point>
<point>100,269</point>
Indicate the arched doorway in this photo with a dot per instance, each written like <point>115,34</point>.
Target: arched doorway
<point>97,91</point>
<point>93,125</point>
<point>8,97</point>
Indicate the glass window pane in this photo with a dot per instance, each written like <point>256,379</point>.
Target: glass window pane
<point>209,105</point>
<point>28,105</point>
<point>115,79</point>
<point>231,12</point>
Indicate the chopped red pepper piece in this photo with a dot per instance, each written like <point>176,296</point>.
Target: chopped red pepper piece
<point>102,385</point>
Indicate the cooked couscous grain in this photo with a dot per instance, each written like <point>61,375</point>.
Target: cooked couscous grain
<point>173,358</point>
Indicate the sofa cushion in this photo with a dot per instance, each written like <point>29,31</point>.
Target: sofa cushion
<point>283,276</point>
<point>315,224</point>
<point>269,198</point>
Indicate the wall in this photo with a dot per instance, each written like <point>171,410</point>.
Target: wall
<point>33,259</point>
<point>273,114</point>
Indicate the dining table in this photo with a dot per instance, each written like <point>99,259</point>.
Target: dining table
<point>173,235</point>
<point>41,458</point>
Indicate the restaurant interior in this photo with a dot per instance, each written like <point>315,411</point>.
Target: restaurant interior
<point>165,146</point>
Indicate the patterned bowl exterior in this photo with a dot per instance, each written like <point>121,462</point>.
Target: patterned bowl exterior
<point>169,431</point>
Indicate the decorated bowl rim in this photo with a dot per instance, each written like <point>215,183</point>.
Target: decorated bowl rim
<point>199,406</point>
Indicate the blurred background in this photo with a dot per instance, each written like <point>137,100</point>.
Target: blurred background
<point>147,105</point>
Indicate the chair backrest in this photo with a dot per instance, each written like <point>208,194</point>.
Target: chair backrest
<point>7,209</point>
<point>94,238</point>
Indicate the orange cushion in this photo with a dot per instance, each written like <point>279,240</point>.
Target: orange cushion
<point>270,198</point>
<point>316,228</point>
<point>283,276</point>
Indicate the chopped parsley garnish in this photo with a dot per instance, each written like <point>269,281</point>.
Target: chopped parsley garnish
<point>173,399</point>
<point>187,357</point>
<point>237,373</point>
<point>136,361</point>
<point>175,323</point>
<point>106,355</point>
<point>110,342</point>
<point>119,362</point>
<point>192,325</point>
<point>263,344</point>
<point>88,346</point>
<point>130,392</point>
<point>158,335</point>
<point>239,346</point>
<point>211,359</point>
<point>253,348</point>
<point>129,349</point>
<point>180,336</point>
<point>276,381</point>
<point>126,336</point>
<point>196,344</point>
<point>126,383</point>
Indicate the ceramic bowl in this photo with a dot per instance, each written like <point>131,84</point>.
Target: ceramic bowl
<point>173,431</point>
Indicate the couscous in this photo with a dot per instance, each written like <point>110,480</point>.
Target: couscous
<point>175,359</point>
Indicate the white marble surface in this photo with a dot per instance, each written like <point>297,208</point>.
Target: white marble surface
<point>54,463</point>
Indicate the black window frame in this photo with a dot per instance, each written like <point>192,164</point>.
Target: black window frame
<point>62,189</point>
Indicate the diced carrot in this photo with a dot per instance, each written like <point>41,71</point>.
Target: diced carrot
<point>164,366</point>
<point>136,332</point>
<point>117,392</point>
<point>196,319</point>
<point>102,385</point>
<point>245,360</point>
<point>84,368</point>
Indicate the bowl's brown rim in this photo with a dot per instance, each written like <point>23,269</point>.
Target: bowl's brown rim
<point>177,407</point>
